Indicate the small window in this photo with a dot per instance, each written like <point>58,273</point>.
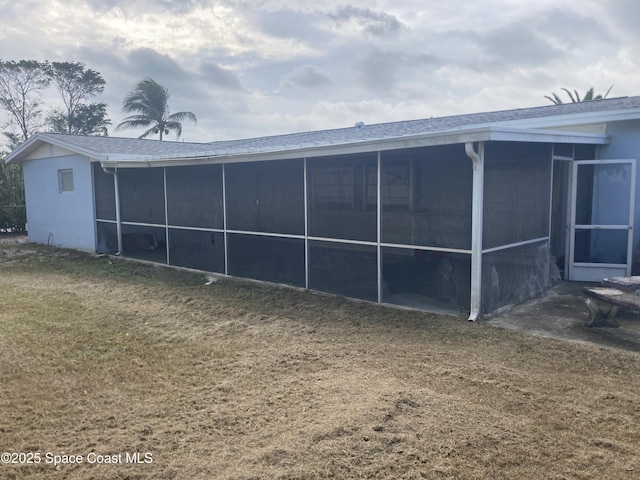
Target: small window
<point>65,180</point>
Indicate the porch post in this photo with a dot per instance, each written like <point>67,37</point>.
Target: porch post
<point>477,206</point>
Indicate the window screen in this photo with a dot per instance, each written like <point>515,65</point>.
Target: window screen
<point>517,182</point>
<point>344,269</point>
<point>272,259</point>
<point>266,196</point>
<point>106,237</point>
<point>343,197</point>
<point>426,197</point>
<point>194,196</point>
<point>196,249</point>
<point>144,243</point>
<point>105,193</point>
<point>142,195</point>
<point>515,275</point>
<point>426,280</point>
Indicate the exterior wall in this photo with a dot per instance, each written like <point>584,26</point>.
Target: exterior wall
<point>625,144</point>
<point>64,219</point>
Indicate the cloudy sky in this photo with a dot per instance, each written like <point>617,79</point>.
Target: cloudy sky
<point>260,67</point>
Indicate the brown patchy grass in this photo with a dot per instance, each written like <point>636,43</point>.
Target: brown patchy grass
<point>238,380</point>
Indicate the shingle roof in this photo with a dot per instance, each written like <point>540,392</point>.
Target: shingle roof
<point>117,148</point>
<point>430,125</point>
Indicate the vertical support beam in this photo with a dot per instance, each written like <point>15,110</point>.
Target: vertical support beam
<point>166,213</point>
<point>379,223</point>
<point>632,205</point>
<point>224,221</point>
<point>550,215</point>
<point>477,206</point>
<point>306,227</point>
<point>412,184</point>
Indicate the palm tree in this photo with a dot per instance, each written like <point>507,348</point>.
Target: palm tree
<point>149,101</point>
<point>575,96</point>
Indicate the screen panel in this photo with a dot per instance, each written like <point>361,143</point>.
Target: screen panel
<point>105,193</point>
<point>266,196</point>
<point>517,182</point>
<point>516,274</point>
<point>342,193</point>
<point>272,259</point>
<point>142,195</point>
<point>426,197</point>
<point>144,243</point>
<point>435,281</point>
<point>197,249</point>
<point>106,237</point>
<point>194,196</point>
<point>344,269</point>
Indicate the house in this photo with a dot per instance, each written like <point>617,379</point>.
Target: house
<point>460,213</point>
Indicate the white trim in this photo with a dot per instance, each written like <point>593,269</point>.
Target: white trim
<point>471,134</point>
<point>166,212</point>
<point>602,227</point>
<point>106,221</point>
<point>602,265</point>
<point>266,234</point>
<point>197,229</point>
<point>139,224</point>
<point>378,222</point>
<point>517,244</point>
<point>224,221</point>
<point>306,224</point>
<point>342,240</point>
<point>477,209</point>
<point>426,248</point>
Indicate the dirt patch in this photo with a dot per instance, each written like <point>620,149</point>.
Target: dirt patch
<point>239,380</point>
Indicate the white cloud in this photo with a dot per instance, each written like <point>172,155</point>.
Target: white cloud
<point>249,68</point>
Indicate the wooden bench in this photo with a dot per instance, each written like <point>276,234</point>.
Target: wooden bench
<point>604,302</point>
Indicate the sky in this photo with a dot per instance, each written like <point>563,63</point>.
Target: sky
<point>251,68</point>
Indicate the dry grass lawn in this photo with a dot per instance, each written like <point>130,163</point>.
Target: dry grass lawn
<point>238,380</point>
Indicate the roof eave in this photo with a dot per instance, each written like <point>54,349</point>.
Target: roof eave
<point>34,142</point>
<point>476,134</point>
<point>583,118</point>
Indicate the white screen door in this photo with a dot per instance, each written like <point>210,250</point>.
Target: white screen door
<point>603,193</point>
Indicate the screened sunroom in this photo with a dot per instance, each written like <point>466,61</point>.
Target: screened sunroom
<point>446,224</point>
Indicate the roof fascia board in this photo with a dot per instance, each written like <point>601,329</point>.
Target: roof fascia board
<point>477,134</point>
<point>583,118</point>
<point>546,136</point>
<point>397,143</point>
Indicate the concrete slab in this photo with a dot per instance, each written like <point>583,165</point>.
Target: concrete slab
<point>563,314</point>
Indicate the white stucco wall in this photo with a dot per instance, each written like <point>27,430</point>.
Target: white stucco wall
<point>64,219</point>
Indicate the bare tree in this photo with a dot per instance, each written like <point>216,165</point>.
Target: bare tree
<point>76,84</point>
<point>21,86</point>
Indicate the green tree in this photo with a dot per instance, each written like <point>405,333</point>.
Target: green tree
<point>149,100</point>
<point>13,215</point>
<point>575,96</point>
<point>21,87</point>
<point>76,84</point>
<point>89,119</point>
